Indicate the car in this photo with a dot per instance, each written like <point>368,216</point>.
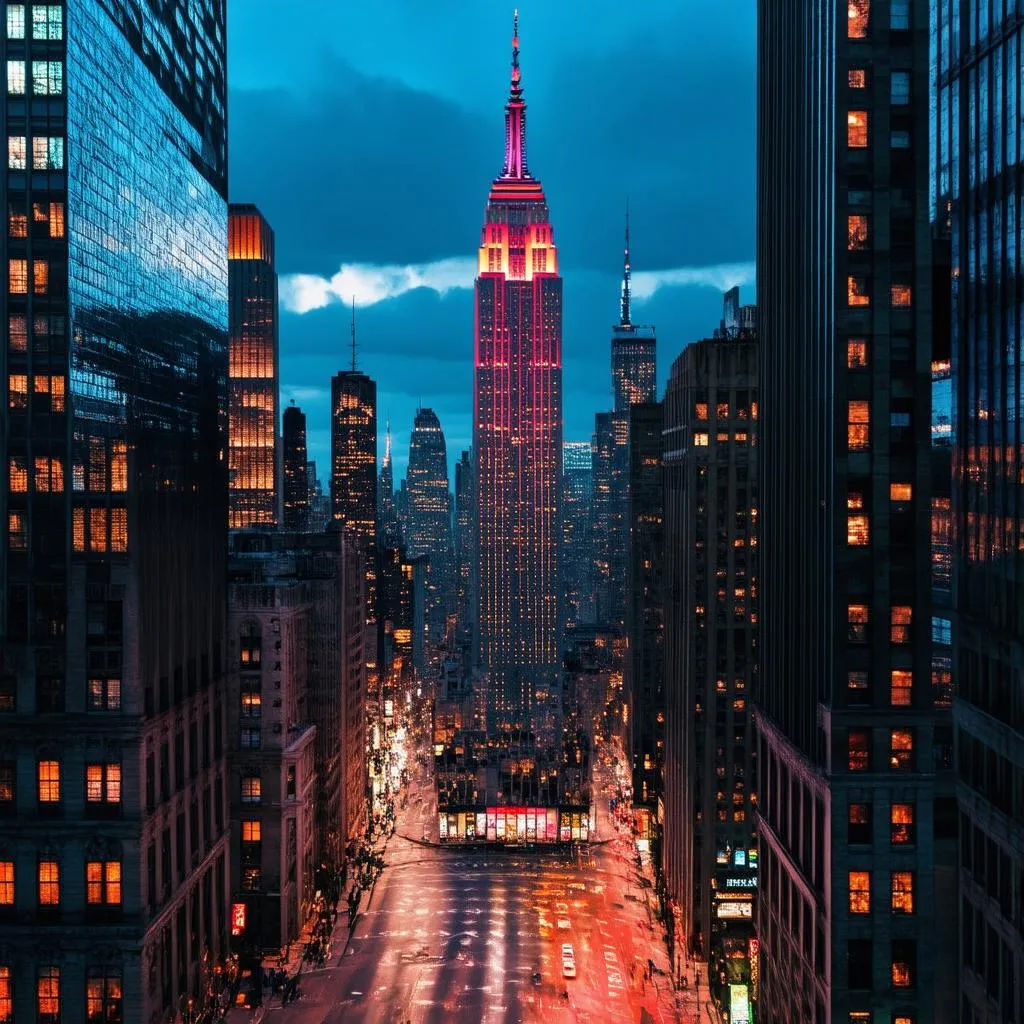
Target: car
<point>568,953</point>
<point>568,968</point>
<point>563,924</point>
<point>561,908</point>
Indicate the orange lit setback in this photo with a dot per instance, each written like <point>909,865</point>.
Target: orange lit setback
<point>858,13</point>
<point>245,237</point>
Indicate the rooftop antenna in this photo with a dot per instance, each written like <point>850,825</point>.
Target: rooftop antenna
<point>353,334</point>
<point>626,275</point>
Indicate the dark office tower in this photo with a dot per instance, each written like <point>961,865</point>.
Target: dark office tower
<point>319,502</point>
<point>465,544</point>
<point>517,431</point>
<point>113,490</point>
<point>602,448</point>
<point>354,454</point>
<point>979,197</point>
<point>711,612</point>
<point>577,553</point>
<point>430,520</point>
<point>253,377</point>
<point>645,632</point>
<point>296,475</point>
<point>848,919</point>
<point>633,381</point>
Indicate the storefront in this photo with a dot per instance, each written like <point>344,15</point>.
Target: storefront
<point>514,825</point>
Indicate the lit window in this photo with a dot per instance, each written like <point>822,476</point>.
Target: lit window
<point>119,529</point>
<point>49,883</point>
<point>40,277</point>
<point>47,21</point>
<point>6,991</point>
<point>858,426</point>
<point>857,129</point>
<point>701,410</point>
<point>251,703</point>
<point>97,529</point>
<point>56,219</point>
<point>901,295</point>
<point>857,685</point>
<point>103,883</point>
<point>48,996</point>
<point>899,91</point>
<point>856,231</point>
<point>722,438</point>
<point>902,824</point>
<point>17,225</point>
<point>47,153</point>
<point>901,492</point>
<point>16,77</point>
<point>860,892</point>
<point>78,528</point>
<point>250,832</point>
<point>49,475</point>
<point>119,467</point>
<point>17,391</point>
<point>251,789</point>
<point>17,475</point>
<point>857,291</point>
<point>47,77</point>
<point>17,332</point>
<point>903,892</point>
<point>901,749</point>
<point>857,15</point>
<point>700,440</point>
<point>45,384</point>
<point>901,688</point>
<point>855,78</point>
<point>899,624</point>
<point>17,532</point>
<point>17,153</point>
<point>103,783</point>
<point>722,410</point>
<point>859,824</point>
<point>6,887</point>
<point>858,528</point>
<point>104,993</point>
<point>15,21</point>
<point>104,694</point>
<point>17,271</point>
<point>49,782</point>
<point>899,15</point>
<point>858,744</point>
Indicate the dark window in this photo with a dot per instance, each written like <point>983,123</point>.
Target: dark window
<point>859,963</point>
<point>859,824</point>
<point>50,695</point>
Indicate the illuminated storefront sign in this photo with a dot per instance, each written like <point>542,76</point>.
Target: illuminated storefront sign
<point>237,919</point>
<point>754,947</point>
<point>739,1004</point>
<point>734,909</point>
<point>747,882</point>
<point>515,825</point>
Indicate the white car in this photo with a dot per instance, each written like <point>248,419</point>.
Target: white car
<point>563,924</point>
<point>568,953</point>
<point>568,968</point>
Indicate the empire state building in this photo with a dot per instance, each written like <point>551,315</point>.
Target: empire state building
<point>517,436</point>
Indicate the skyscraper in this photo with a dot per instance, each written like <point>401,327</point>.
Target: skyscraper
<point>849,918</point>
<point>387,517</point>
<point>711,612</point>
<point>634,349</point>
<point>602,447</point>
<point>577,495</point>
<point>254,379</point>
<point>295,486</point>
<point>114,504</point>
<point>465,544</point>
<point>978,207</point>
<point>517,431</point>
<point>430,519</point>
<point>354,454</point>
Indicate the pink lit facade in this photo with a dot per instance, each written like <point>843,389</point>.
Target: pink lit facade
<point>517,436</point>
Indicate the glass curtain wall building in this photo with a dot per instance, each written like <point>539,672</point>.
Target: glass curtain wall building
<point>850,922</point>
<point>114,494</point>
<point>295,476</point>
<point>253,373</point>
<point>979,203</point>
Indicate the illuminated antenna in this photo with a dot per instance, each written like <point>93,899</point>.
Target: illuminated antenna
<point>353,334</point>
<point>625,275</point>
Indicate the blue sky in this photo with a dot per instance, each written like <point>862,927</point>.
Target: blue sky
<point>368,134</point>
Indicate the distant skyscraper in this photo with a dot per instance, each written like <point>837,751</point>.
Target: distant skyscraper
<point>851,825</point>
<point>113,507</point>
<point>633,382</point>
<point>465,543</point>
<point>430,519</point>
<point>354,454</point>
<point>711,612</point>
<point>517,427</point>
<point>387,518</point>
<point>319,502</point>
<point>295,476</point>
<point>253,370</point>
<point>577,552</point>
<point>602,449</point>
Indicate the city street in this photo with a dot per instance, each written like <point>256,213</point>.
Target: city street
<point>475,935</point>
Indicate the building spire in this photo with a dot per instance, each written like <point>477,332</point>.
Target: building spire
<point>625,276</point>
<point>353,334</point>
<point>515,115</point>
<point>387,442</point>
